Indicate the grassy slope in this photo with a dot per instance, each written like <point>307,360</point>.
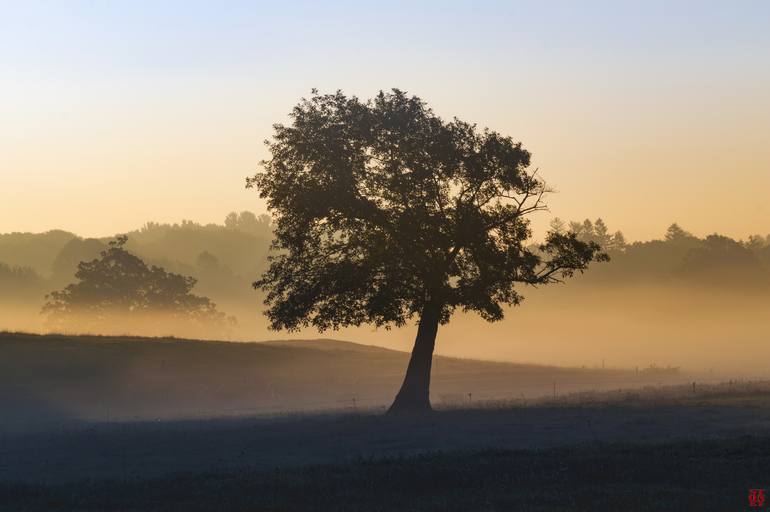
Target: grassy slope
<point>125,378</point>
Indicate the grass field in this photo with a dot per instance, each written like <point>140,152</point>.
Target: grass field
<point>131,424</point>
<point>687,475</point>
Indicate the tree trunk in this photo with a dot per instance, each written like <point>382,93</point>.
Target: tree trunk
<point>414,395</point>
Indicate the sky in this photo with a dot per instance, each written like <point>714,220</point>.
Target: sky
<point>642,113</point>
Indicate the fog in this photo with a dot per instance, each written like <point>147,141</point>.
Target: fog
<point>695,329</point>
<point>700,304</point>
<point>703,330</point>
<point>699,329</point>
<point>50,380</point>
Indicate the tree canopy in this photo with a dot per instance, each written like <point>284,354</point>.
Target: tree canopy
<point>381,206</point>
<point>596,232</point>
<point>118,284</point>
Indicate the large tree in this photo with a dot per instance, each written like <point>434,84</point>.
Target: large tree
<point>385,212</point>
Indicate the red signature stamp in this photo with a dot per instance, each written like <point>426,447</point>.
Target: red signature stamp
<point>756,497</point>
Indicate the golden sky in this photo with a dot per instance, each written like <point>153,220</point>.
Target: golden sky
<point>643,114</point>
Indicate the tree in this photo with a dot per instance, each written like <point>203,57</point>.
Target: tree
<point>599,233</point>
<point>384,212</point>
<point>557,225</point>
<point>602,233</point>
<point>721,260</point>
<point>618,242</point>
<point>583,230</point>
<point>756,242</point>
<point>231,221</point>
<point>118,284</point>
<point>675,233</point>
<point>248,223</point>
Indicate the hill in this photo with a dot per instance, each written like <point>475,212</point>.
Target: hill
<point>57,377</point>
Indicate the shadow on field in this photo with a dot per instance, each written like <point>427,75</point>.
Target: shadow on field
<point>702,475</point>
<point>153,449</point>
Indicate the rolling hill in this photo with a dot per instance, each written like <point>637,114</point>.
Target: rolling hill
<point>57,377</point>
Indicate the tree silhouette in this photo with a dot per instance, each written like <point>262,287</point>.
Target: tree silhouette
<point>597,232</point>
<point>720,260</point>
<point>384,212</point>
<point>675,233</point>
<point>248,222</point>
<point>118,284</point>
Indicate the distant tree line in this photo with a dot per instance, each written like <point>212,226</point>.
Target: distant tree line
<point>221,257</point>
<point>592,232</point>
<point>715,260</point>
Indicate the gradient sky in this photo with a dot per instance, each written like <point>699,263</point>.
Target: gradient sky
<point>643,113</point>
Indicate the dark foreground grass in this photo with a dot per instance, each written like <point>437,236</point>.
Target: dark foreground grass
<point>693,475</point>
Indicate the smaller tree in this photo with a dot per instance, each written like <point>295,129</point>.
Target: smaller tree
<point>618,241</point>
<point>119,286</point>
<point>675,233</point>
<point>597,232</point>
<point>602,234</point>
<point>558,226</point>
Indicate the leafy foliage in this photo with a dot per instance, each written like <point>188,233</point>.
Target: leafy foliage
<point>248,223</point>
<point>119,284</point>
<point>719,259</point>
<point>596,232</point>
<point>382,208</point>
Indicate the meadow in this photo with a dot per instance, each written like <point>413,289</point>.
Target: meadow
<point>100,423</point>
<point>685,475</point>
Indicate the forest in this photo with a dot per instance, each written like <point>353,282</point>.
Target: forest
<point>675,283</point>
<point>226,258</point>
